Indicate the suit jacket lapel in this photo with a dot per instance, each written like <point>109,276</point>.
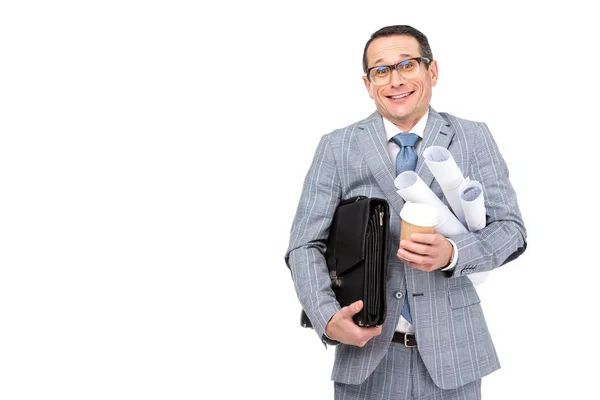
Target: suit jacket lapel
<point>372,143</point>
<point>438,132</point>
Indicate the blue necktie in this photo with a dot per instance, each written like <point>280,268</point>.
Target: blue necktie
<point>406,160</point>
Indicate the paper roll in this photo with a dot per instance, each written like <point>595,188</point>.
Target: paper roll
<point>443,167</point>
<point>412,188</point>
<point>471,198</point>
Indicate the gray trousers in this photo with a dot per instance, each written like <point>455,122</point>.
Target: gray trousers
<point>401,375</point>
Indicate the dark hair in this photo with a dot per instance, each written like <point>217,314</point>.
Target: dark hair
<point>398,30</point>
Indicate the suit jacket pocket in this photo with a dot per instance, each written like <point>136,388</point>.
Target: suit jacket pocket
<point>463,296</point>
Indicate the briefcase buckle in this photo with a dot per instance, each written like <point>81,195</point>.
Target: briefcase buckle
<point>335,280</point>
<point>406,341</point>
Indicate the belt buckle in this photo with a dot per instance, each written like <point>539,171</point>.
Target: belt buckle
<point>406,341</point>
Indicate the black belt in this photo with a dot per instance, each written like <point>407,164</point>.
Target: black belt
<point>407,339</point>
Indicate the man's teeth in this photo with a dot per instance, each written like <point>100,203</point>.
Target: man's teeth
<point>400,96</point>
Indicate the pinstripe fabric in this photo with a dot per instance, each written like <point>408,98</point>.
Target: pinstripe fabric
<point>406,160</point>
<point>401,375</point>
<point>454,342</point>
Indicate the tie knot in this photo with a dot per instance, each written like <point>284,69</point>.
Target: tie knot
<point>405,139</point>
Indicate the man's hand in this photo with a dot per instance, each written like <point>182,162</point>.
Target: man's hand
<point>341,327</point>
<point>426,251</point>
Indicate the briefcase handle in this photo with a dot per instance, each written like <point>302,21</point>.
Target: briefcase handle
<point>305,321</point>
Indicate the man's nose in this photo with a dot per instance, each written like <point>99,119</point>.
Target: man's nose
<point>396,78</point>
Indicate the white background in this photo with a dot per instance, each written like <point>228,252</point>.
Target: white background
<point>152,156</point>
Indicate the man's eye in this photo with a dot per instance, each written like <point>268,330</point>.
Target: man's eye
<point>382,71</point>
<point>407,65</point>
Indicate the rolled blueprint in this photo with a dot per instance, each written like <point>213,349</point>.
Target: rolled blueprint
<point>471,199</point>
<point>446,172</point>
<point>412,188</point>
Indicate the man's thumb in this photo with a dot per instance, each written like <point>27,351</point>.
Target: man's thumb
<point>356,306</point>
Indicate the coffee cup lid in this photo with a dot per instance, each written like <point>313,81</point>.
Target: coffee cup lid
<point>419,214</point>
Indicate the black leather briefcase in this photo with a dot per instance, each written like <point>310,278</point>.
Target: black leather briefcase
<point>356,257</point>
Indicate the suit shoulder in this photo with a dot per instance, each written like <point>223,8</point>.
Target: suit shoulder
<point>464,126</point>
<point>453,120</point>
<point>347,131</point>
<point>341,132</point>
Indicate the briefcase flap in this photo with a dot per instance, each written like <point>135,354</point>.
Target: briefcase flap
<point>356,257</point>
<point>346,244</point>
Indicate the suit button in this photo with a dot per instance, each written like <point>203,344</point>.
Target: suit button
<point>399,295</point>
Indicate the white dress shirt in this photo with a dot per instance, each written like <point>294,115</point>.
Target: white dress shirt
<point>393,149</point>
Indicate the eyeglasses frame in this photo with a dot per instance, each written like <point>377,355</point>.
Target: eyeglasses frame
<point>393,67</point>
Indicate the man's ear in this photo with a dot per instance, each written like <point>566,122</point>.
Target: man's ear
<point>368,86</point>
<point>433,70</point>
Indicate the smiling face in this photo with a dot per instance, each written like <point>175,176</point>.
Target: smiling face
<point>402,102</point>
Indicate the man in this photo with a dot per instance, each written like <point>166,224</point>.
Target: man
<point>441,348</point>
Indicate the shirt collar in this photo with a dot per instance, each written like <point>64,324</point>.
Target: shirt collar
<point>392,130</point>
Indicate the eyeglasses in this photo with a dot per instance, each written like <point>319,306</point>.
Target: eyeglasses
<point>408,69</point>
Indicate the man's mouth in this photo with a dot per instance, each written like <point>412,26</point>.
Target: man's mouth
<point>399,96</point>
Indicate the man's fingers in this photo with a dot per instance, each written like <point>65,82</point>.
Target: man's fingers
<point>407,255</point>
<point>346,331</point>
<point>366,334</point>
<point>353,308</point>
<point>425,238</point>
<point>374,331</point>
<point>415,247</point>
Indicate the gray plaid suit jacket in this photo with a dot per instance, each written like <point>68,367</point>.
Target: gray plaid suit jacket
<point>452,335</point>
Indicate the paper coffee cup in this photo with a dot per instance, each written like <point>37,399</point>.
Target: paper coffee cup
<point>417,218</point>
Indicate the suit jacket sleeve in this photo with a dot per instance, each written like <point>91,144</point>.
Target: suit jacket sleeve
<point>504,238</point>
<point>305,255</point>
